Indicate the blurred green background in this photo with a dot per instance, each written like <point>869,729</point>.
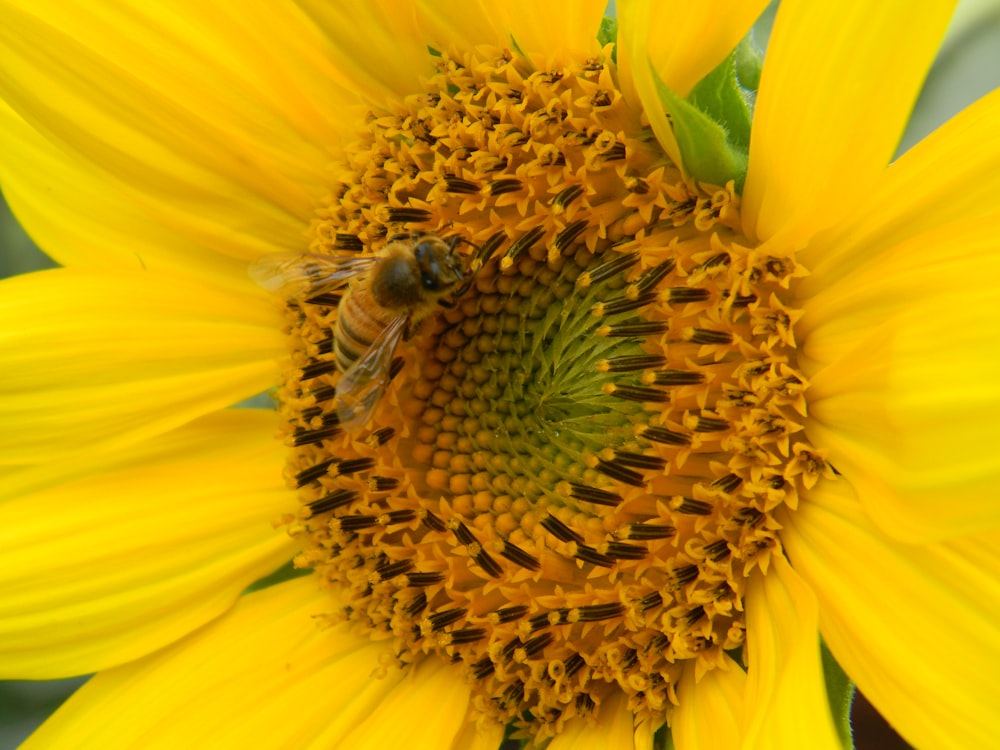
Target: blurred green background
<point>967,68</point>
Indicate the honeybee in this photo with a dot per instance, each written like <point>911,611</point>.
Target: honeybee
<point>388,294</point>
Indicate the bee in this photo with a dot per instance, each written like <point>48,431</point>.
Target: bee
<point>388,294</point>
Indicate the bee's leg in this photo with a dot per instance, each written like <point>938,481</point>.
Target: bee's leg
<point>459,291</point>
<point>478,259</point>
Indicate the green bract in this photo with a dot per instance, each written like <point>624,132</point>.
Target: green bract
<point>712,124</point>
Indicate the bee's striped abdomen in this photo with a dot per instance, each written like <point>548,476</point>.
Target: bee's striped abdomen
<point>359,322</point>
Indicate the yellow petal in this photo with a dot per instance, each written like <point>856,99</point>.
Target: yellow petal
<point>208,127</point>
<point>645,732</point>
<point>686,41</point>
<point>635,36</point>
<point>612,727</point>
<point>376,46</point>
<point>838,84</point>
<point>426,709</point>
<point>786,704</point>
<point>91,362</point>
<point>448,23</point>
<point>902,357</point>
<point>81,217</point>
<point>106,560</point>
<point>552,31</point>
<point>267,675</point>
<point>952,177</point>
<point>914,625</point>
<point>488,736</point>
<point>710,711</point>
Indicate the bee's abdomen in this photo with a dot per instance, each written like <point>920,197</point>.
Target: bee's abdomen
<point>359,322</point>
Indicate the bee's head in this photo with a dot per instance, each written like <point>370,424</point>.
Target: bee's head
<point>441,266</point>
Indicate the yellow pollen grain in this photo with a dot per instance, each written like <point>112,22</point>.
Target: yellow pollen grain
<point>578,455</point>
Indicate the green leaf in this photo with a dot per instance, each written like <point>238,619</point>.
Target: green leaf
<point>712,124</point>
<point>705,145</point>
<point>723,96</point>
<point>840,693</point>
<point>663,739</point>
<point>608,34</point>
<point>749,63</point>
<point>285,573</point>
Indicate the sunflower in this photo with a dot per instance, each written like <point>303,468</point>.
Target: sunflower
<point>686,413</point>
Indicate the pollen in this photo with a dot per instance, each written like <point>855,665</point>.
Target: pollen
<point>576,458</point>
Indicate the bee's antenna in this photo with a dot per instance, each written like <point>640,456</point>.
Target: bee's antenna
<point>456,239</point>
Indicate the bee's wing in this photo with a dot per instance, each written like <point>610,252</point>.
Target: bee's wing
<point>305,275</point>
<point>361,386</point>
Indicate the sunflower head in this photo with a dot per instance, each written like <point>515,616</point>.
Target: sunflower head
<point>576,459</point>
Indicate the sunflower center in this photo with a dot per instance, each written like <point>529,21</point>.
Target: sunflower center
<point>574,462</point>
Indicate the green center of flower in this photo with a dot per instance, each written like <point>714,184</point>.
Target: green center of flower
<point>574,467</point>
